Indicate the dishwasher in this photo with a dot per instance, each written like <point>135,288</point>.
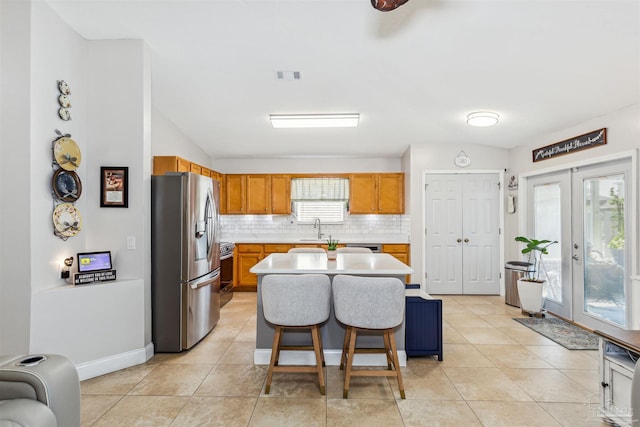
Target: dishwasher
<point>375,247</point>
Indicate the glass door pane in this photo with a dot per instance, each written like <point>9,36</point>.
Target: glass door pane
<point>548,225</point>
<point>603,248</point>
<point>549,200</point>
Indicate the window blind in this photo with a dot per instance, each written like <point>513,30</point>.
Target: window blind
<point>330,189</point>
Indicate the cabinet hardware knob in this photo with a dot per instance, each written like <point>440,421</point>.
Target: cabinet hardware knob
<point>604,384</point>
<point>575,257</point>
<point>466,240</point>
<point>459,240</point>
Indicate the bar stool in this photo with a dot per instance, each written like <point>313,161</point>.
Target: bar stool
<point>306,250</point>
<point>296,302</point>
<point>353,250</point>
<point>369,304</point>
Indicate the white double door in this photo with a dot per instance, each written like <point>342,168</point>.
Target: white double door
<point>462,236</point>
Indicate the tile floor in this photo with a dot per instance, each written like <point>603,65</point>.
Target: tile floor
<point>495,372</point>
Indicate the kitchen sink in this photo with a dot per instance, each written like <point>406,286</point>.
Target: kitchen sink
<point>310,240</point>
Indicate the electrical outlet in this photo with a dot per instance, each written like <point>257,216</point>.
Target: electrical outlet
<point>131,242</point>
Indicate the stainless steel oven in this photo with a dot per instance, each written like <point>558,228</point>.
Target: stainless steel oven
<point>226,272</point>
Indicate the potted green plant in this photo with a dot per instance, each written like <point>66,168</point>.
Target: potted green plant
<point>332,245</point>
<point>530,286</point>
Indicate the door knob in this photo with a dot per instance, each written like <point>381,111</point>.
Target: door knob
<point>575,257</point>
<point>466,240</point>
<point>459,240</point>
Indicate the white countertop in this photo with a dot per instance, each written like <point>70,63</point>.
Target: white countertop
<point>347,263</point>
<point>312,239</point>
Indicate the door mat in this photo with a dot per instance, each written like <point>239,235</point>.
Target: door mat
<point>567,335</point>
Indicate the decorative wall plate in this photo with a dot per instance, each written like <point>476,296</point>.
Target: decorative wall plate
<point>66,185</point>
<point>66,220</point>
<point>64,101</point>
<point>64,114</point>
<point>64,88</point>
<point>66,153</point>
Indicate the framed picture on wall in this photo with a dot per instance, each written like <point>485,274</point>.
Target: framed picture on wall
<point>114,187</point>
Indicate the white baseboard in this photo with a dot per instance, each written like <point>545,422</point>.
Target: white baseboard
<point>106,365</point>
<point>262,356</point>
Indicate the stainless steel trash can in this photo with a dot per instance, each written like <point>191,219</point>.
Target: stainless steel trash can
<point>514,270</point>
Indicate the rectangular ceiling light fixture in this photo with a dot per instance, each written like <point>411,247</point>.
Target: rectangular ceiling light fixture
<point>314,120</point>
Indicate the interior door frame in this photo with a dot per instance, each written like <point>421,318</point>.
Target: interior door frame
<point>500,173</point>
<point>634,298</point>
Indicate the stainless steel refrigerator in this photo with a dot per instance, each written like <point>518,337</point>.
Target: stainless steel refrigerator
<point>185,259</point>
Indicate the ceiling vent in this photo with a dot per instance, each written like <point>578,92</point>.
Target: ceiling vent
<point>288,75</point>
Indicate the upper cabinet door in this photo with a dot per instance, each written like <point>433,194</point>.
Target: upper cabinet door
<point>258,194</point>
<point>391,193</point>
<point>281,194</point>
<point>235,194</point>
<point>362,194</point>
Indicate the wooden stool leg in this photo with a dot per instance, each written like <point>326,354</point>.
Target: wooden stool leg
<point>345,347</point>
<point>351,352</point>
<point>387,348</point>
<point>396,362</point>
<point>275,351</point>
<point>317,348</point>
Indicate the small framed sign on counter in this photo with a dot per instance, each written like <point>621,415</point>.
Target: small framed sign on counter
<point>577,143</point>
<point>114,187</point>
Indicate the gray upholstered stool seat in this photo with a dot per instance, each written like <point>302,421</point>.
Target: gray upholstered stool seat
<point>296,302</point>
<point>306,250</point>
<point>369,303</point>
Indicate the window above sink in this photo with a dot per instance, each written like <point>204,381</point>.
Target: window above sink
<point>323,198</point>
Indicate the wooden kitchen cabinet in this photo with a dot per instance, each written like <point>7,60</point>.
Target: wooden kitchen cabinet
<point>362,194</point>
<point>163,164</point>
<point>247,256</point>
<point>258,194</point>
<point>381,193</point>
<point>390,192</point>
<point>275,248</point>
<point>195,168</point>
<point>399,251</point>
<point>281,194</point>
<point>234,189</point>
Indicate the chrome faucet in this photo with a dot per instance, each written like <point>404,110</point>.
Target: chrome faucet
<point>316,222</point>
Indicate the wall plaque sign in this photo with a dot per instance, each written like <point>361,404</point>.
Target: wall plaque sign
<point>96,276</point>
<point>577,143</point>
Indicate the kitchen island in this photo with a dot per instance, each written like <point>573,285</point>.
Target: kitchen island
<point>358,264</point>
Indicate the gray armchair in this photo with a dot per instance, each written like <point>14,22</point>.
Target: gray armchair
<point>39,390</point>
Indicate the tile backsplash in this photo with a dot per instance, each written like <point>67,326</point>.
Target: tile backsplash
<point>286,224</point>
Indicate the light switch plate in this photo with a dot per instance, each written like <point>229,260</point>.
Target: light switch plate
<point>131,242</point>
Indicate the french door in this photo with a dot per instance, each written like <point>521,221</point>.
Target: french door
<point>584,210</point>
<point>549,196</point>
<point>599,252</point>
<point>462,239</point>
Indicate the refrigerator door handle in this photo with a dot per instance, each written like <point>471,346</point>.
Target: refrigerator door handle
<point>206,282</point>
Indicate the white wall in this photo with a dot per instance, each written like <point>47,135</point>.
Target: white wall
<point>15,169</point>
<point>168,140</point>
<point>49,64</point>
<point>439,157</point>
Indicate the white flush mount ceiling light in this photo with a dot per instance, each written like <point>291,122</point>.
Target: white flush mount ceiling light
<point>349,120</point>
<point>482,118</point>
